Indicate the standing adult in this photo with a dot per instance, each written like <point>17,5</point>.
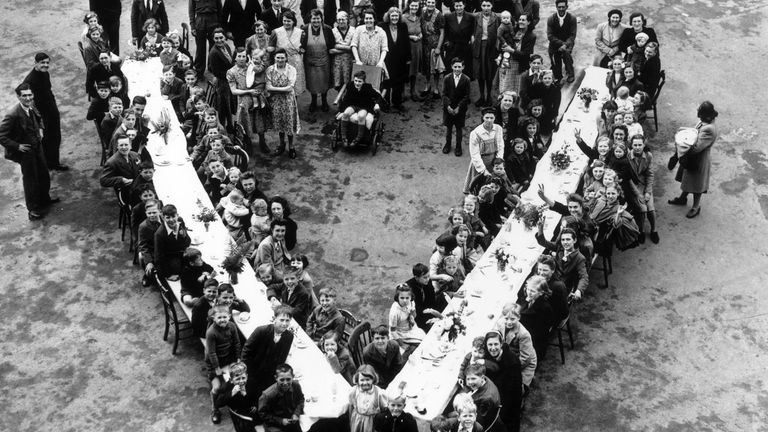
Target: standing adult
<point>204,17</point>
<point>220,60</point>
<point>317,40</point>
<point>259,40</point>
<point>413,22</point>
<point>330,9</point>
<point>514,64</point>
<point>484,49</point>
<point>486,143</point>
<point>531,9</point>
<point>288,37</point>
<point>693,173</point>
<point>459,28</point>
<point>342,50</point>
<point>369,43</point>
<point>39,81</point>
<point>273,15</point>
<point>398,56</point>
<point>251,100</point>
<point>141,11</point>
<point>607,38</point>
<point>637,24</point>
<point>433,33</point>
<point>561,32</point>
<point>281,80</point>
<point>238,17</point>
<point>109,17</point>
<point>20,133</point>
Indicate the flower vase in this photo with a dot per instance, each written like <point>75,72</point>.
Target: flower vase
<point>501,265</point>
<point>586,103</point>
<point>207,225</point>
<point>233,278</point>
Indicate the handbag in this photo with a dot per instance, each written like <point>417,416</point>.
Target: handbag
<point>672,162</point>
<point>690,161</point>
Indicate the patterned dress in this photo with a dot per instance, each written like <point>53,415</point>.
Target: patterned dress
<point>370,44</point>
<point>402,320</point>
<point>253,119</point>
<point>291,42</point>
<point>285,111</point>
<point>431,24</point>
<point>363,406</point>
<point>414,29</point>
<point>508,75</point>
<point>342,63</point>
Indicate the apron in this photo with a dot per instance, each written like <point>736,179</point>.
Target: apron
<point>487,154</point>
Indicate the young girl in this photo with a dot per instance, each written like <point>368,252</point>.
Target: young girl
<point>193,275</point>
<point>469,205</point>
<point>402,318</point>
<point>450,267</point>
<point>366,399</point>
<point>530,133</point>
<point>623,102</point>
<point>337,355</point>
<point>641,161</point>
<point>633,128</point>
<point>520,165</point>
<point>151,40</point>
<point>259,221</point>
<point>300,262</point>
<point>234,212</point>
<point>222,346</point>
<point>168,55</point>
<point>117,89</point>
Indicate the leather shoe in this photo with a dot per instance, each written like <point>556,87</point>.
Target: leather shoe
<point>678,201</point>
<point>60,167</point>
<point>571,79</point>
<point>693,212</point>
<point>655,237</point>
<point>446,148</point>
<point>33,216</point>
<point>641,238</point>
<point>216,416</point>
<point>457,152</point>
<point>54,200</point>
<point>292,153</point>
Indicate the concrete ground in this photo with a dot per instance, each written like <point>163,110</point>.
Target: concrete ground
<point>677,342</point>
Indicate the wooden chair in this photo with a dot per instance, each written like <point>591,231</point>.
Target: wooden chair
<point>240,157</point>
<point>124,217</point>
<point>655,98</point>
<point>350,322</point>
<point>563,326</point>
<point>361,336</point>
<point>181,324</point>
<point>241,423</point>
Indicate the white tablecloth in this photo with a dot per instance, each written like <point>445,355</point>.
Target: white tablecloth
<point>177,183</point>
<point>431,385</point>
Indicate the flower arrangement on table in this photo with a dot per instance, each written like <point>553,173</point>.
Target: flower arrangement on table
<point>505,257</point>
<point>560,159</point>
<point>163,125</point>
<point>206,215</point>
<point>451,322</point>
<point>529,214</point>
<point>234,263</point>
<point>139,55</point>
<point>587,95</point>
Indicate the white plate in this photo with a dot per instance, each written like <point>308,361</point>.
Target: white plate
<point>163,163</point>
<point>243,317</point>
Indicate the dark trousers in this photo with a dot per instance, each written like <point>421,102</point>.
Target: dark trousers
<point>51,135</point>
<point>449,134</point>
<point>557,59</point>
<point>111,26</point>
<point>395,93</point>
<point>35,178</point>
<point>203,25</point>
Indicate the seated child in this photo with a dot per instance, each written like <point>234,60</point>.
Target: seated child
<point>146,174</point>
<point>217,176</point>
<point>529,130</point>
<point>222,347</point>
<point>623,101</point>
<point>452,268</point>
<point>194,273</point>
<point>216,152</point>
<point>281,404</point>
<point>483,393</point>
<point>226,297</point>
<point>383,355</point>
<point>507,197</point>
<point>290,293</point>
<point>515,333</point>
<point>636,51</point>
<point>325,317</point>
<point>618,119</point>
<point>466,414</point>
<point>402,317</point>
<point>266,274</point>
<point>99,106</point>
<point>168,55</point>
<point>171,89</point>
<point>210,121</point>
<point>233,181</point>
<point>259,229</point>
<point>445,244</point>
<point>469,205</point>
<point>337,355</point>
<point>233,393</point>
<point>234,211</point>
<point>202,306</point>
<point>520,166</point>
<point>633,128</point>
<point>394,418</point>
<point>475,357</point>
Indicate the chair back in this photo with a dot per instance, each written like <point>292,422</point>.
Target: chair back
<point>211,96</point>
<point>361,336</point>
<point>662,80</point>
<point>350,322</point>
<point>240,422</point>
<point>82,53</point>
<point>167,296</point>
<point>185,36</point>
<point>239,157</point>
<point>374,75</point>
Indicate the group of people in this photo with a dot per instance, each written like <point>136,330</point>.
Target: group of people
<point>264,75</point>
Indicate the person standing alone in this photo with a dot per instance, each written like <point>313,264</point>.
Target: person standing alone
<point>561,32</point>
<point>20,134</point>
<point>39,81</point>
<point>204,17</point>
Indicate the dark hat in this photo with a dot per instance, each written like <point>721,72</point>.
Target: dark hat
<point>448,241</point>
<point>707,111</point>
<point>41,56</point>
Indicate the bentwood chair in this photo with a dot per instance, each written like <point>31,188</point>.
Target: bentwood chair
<point>185,36</point>
<point>361,336</point>
<point>240,157</point>
<point>350,322</point>
<point>124,217</point>
<point>655,98</point>
<point>182,326</point>
<point>241,423</point>
<point>563,326</point>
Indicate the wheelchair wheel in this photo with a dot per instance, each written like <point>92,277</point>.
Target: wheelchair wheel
<point>336,138</point>
<point>374,143</point>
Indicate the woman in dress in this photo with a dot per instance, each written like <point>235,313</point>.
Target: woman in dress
<point>484,49</point>
<point>281,79</point>
<point>366,399</point>
<point>637,24</point>
<point>486,142</point>
<point>316,41</point>
<point>398,57</point>
<point>693,173</point>
<point>219,62</point>
<point>433,32</point>
<point>515,58</point>
<point>369,44</point>
<point>507,114</point>
<point>259,40</point>
<point>342,50</point>
<point>607,38</point>
<point>649,72</point>
<point>413,21</point>
<point>250,92</point>
<point>459,28</point>
<point>288,37</point>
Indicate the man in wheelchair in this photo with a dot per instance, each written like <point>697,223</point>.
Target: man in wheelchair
<point>358,105</point>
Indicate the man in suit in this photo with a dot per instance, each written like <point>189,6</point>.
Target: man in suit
<point>330,9</point>
<point>455,102</point>
<point>142,10</point>
<point>267,347</point>
<point>272,16</point>
<point>120,169</point>
<point>109,17</point>
<point>204,17</point>
<point>238,17</point>
<point>561,32</point>
<point>20,134</point>
<point>171,240</point>
<point>39,81</point>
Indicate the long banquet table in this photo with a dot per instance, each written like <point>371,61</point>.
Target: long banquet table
<point>430,373</point>
<point>177,183</point>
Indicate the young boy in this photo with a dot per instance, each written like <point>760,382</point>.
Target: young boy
<point>194,274</point>
<point>475,357</point>
<point>259,228</point>
<point>217,152</point>
<point>222,345</point>
<point>451,267</point>
<point>202,306</point>
<point>111,120</point>
<point>146,174</point>
<point>99,106</point>
<point>484,394</point>
<point>455,102</point>
<point>282,403</point>
<point>215,178</point>
<point>423,295</point>
<point>171,89</point>
<point>325,317</point>
<point>294,295</point>
<point>265,273</point>
<point>234,393</point>
<point>384,355</point>
<point>505,34</point>
<point>226,297</point>
<point>394,418</point>
<point>168,55</point>
<point>467,414</point>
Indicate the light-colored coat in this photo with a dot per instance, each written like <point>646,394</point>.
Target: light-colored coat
<point>696,180</point>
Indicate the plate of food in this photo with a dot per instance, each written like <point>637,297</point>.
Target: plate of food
<point>300,343</point>
<point>163,162</point>
<point>243,317</point>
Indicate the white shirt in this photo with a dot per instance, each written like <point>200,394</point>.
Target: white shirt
<point>456,79</point>
<point>561,19</point>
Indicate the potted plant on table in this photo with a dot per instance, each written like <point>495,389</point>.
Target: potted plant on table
<point>234,263</point>
<point>206,215</point>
